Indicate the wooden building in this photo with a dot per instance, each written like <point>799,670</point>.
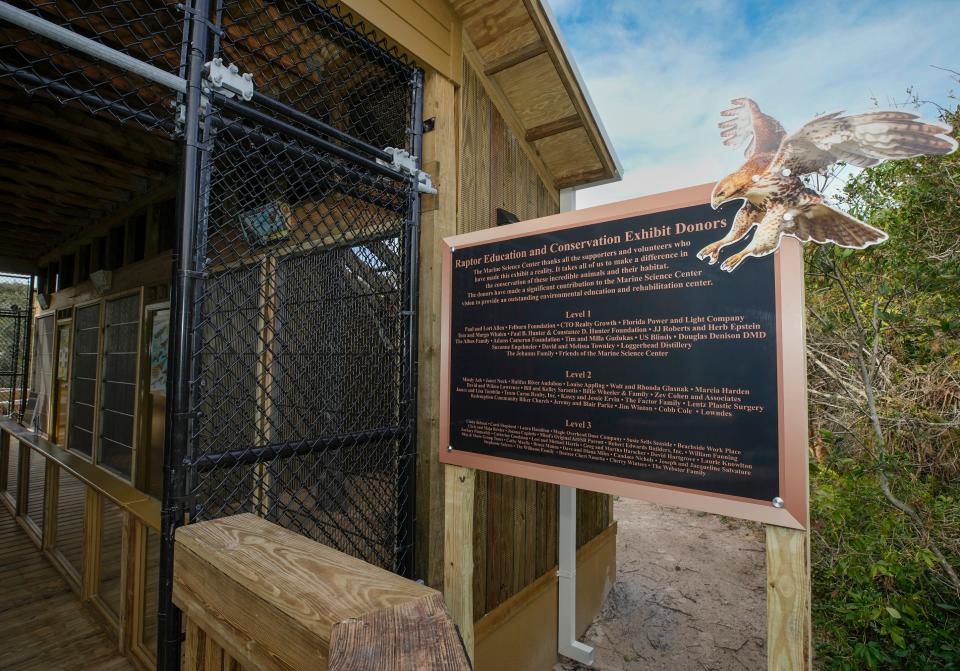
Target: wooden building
<point>246,319</point>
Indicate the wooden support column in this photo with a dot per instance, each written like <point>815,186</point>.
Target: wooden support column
<point>458,550</point>
<point>4,460</point>
<point>438,220</point>
<point>788,600</point>
<point>90,571</point>
<point>51,495</point>
<point>23,478</point>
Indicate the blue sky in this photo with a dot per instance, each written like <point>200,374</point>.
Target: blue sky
<point>660,72</point>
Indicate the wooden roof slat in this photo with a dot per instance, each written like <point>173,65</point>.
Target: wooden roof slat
<point>535,91</point>
<point>496,27</point>
<point>554,127</point>
<point>515,57</point>
<point>584,177</point>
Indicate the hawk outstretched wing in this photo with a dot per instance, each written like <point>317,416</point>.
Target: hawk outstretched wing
<point>749,123</point>
<point>862,140</point>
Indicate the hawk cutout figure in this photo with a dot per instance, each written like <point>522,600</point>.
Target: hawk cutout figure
<point>777,201</point>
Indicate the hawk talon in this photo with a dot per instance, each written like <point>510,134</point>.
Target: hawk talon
<point>731,263</point>
<point>710,252</point>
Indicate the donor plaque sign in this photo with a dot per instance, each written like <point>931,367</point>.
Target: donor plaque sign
<point>595,349</point>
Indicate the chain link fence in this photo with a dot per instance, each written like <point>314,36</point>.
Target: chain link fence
<point>14,339</point>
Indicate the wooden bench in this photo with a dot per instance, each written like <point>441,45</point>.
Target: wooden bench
<point>257,596</point>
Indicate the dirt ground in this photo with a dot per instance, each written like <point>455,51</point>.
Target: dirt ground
<point>689,596</point>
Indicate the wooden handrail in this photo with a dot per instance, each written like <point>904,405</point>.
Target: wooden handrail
<point>141,505</point>
<point>258,596</point>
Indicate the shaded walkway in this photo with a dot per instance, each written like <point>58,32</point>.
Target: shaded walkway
<point>43,625</point>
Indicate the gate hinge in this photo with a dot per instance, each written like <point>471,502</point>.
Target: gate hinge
<point>227,80</point>
<point>407,164</point>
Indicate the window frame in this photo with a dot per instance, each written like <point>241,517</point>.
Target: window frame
<point>94,457</point>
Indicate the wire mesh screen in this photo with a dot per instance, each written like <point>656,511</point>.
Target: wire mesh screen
<point>13,330</point>
<point>302,374</point>
<point>318,59</point>
<point>118,388</point>
<point>15,297</point>
<point>83,383</point>
<point>148,30</point>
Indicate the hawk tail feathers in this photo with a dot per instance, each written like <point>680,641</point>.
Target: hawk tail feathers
<point>822,223</point>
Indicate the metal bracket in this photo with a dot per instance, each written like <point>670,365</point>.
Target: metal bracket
<point>227,80</point>
<point>407,164</point>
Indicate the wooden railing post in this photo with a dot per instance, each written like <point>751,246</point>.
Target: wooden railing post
<point>458,549</point>
<point>788,600</point>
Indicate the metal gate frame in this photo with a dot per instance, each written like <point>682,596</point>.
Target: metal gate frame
<point>203,86</point>
<point>182,467</point>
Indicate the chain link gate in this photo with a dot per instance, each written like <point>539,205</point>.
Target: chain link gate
<point>293,357</point>
<point>292,361</point>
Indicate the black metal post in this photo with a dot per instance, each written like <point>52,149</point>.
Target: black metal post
<point>178,416</point>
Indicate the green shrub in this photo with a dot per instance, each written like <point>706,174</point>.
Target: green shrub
<point>878,601</point>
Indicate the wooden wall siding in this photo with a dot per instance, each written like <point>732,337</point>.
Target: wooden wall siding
<point>428,30</point>
<point>438,220</point>
<point>515,520</point>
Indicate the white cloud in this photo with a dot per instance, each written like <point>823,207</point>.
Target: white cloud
<point>660,73</point>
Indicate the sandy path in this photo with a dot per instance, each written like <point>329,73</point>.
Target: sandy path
<point>690,594</point>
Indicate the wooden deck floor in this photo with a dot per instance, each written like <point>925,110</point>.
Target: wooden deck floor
<point>43,625</point>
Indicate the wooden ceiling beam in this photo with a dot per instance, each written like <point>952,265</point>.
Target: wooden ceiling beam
<point>36,209</point>
<point>38,222</point>
<point>513,58</point>
<point>55,185</point>
<point>78,153</point>
<point>77,125</point>
<point>554,127</point>
<point>60,165</point>
<point>19,233</point>
<point>61,197</point>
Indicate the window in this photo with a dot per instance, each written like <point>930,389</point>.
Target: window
<point>118,384</point>
<point>83,386</point>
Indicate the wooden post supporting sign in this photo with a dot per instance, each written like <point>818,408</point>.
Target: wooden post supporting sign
<point>788,600</point>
